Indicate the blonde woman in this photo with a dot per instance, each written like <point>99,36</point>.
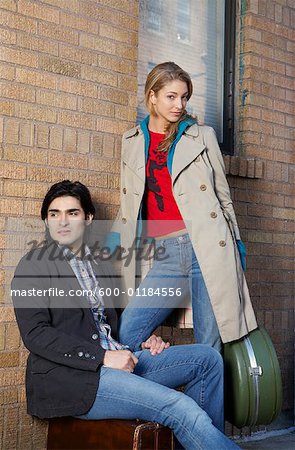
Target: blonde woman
<point>173,182</point>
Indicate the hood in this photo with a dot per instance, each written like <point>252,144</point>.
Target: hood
<point>182,126</point>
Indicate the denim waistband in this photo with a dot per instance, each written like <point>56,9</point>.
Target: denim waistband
<point>178,240</point>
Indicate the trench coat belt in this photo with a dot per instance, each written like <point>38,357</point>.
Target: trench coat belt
<point>240,274</point>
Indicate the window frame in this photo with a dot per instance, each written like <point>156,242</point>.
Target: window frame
<point>227,146</point>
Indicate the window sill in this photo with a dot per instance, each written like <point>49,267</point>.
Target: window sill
<point>243,167</point>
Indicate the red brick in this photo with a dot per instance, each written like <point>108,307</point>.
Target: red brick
<point>273,66</point>
<point>268,90</point>
<point>273,116</point>
<point>290,202</point>
<point>282,81</point>
<point>272,224</point>
<point>259,236</point>
<point>286,156</point>
<point>284,106</point>
<point>284,213</point>
<point>259,152</point>
<point>277,250</point>
<point>285,132</point>
<point>260,211</point>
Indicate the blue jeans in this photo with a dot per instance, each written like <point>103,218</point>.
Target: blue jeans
<point>178,269</point>
<point>196,416</point>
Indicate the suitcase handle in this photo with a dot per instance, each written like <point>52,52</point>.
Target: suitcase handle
<point>255,372</point>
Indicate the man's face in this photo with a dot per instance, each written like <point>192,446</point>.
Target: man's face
<point>66,222</point>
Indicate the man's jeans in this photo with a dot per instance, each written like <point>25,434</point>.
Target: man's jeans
<point>180,270</point>
<point>196,416</point>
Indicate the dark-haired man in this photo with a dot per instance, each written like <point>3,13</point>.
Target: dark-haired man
<point>77,366</point>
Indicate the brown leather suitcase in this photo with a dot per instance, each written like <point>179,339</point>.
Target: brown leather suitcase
<point>75,434</point>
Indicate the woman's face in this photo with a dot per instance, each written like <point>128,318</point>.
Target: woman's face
<point>170,101</point>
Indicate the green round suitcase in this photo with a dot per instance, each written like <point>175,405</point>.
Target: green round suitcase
<point>253,385</point>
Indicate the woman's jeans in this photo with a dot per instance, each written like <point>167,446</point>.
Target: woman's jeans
<point>179,271</point>
<point>196,416</point>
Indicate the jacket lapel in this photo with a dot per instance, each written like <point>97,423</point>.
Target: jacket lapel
<point>133,152</point>
<point>187,150</point>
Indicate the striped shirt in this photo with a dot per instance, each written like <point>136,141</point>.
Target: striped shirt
<point>85,275</point>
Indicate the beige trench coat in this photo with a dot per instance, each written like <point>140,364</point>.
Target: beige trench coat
<point>202,194</point>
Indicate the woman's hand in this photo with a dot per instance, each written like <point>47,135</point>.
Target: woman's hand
<point>155,344</point>
<point>120,359</point>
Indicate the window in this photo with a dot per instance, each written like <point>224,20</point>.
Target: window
<point>154,15</point>
<point>198,36</point>
<point>183,20</point>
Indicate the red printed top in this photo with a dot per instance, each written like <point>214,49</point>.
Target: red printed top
<point>161,210</point>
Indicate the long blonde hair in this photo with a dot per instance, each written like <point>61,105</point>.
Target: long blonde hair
<point>159,76</point>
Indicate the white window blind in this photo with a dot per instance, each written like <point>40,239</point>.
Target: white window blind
<point>190,33</point>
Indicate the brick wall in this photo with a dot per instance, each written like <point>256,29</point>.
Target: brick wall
<point>265,130</point>
<point>67,92</point>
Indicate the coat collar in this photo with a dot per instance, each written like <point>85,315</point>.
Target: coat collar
<point>187,150</point>
<point>183,151</point>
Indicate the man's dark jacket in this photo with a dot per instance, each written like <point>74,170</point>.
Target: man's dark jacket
<point>65,357</point>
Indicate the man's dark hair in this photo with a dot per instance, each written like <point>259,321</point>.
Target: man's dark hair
<point>68,188</point>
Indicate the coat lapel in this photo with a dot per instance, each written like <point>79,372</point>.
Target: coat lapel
<point>133,152</point>
<point>187,150</point>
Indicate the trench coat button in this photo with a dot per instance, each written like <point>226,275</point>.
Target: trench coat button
<point>124,190</point>
<point>93,357</point>
<point>94,336</point>
<point>203,187</point>
<point>87,355</point>
<point>222,243</point>
<point>124,220</point>
<point>80,354</point>
<point>213,215</point>
<point>65,354</point>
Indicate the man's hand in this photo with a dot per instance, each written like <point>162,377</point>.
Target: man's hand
<point>120,359</point>
<point>155,344</point>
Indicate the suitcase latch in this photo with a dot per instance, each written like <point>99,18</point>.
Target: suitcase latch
<point>255,371</point>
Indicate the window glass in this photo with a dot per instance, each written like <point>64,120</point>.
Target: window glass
<point>190,33</point>
<point>183,20</point>
<point>154,15</point>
